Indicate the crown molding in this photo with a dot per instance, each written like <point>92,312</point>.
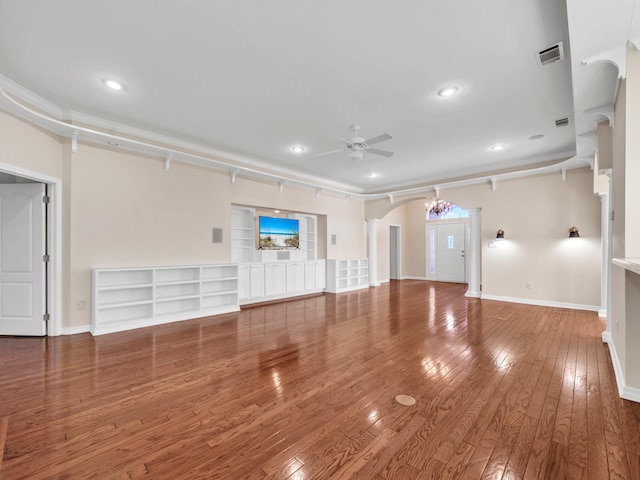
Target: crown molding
<point>77,126</point>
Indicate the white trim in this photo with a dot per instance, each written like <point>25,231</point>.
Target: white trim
<point>76,330</point>
<point>415,277</point>
<point>542,303</point>
<point>606,337</point>
<point>470,294</point>
<point>626,392</point>
<point>54,281</point>
<point>285,296</point>
<point>602,313</point>
<point>154,321</point>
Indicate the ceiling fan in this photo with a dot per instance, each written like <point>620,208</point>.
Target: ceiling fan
<point>358,145</point>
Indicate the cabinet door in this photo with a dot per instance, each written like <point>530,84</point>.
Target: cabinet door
<point>274,279</point>
<point>310,275</point>
<point>257,281</point>
<point>295,277</point>
<point>244,282</point>
<point>321,274</point>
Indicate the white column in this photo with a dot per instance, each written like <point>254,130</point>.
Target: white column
<point>372,237</point>
<point>473,253</point>
<point>606,232</point>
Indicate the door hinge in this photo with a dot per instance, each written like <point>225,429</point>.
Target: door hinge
<point>45,258</point>
<point>46,199</point>
<point>45,317</point>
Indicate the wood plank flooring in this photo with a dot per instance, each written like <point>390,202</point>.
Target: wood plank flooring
<point>305,390</point>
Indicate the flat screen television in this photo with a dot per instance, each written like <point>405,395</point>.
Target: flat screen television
<point>278,233</point>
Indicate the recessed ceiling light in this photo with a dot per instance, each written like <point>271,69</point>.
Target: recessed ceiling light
<point>113,84</point>
<point>373,174</point>
<point>276,211</point>
<point>448,91</point>
<point>297,149</point>
<point>536,137</point>
<point>498,147</point>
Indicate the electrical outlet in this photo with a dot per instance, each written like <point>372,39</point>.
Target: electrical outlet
<point>81,305</point>
<point>492,244</point>
<point>529,285</point>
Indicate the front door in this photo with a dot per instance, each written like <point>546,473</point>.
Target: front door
<point>22,269</point>
<point>450,263</point>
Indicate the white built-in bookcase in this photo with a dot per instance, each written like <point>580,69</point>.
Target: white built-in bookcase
<point>243,234</point>
<point>345,275</point>
<point>127,298</point>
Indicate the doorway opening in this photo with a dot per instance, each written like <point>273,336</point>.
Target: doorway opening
<point>395,258</point>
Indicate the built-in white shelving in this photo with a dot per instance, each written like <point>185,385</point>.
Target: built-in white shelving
<point>127,298</point>
<point>345,275</point>
<point>307,225</point>
<point>243,236</point>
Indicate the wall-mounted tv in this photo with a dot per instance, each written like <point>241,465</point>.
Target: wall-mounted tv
<point>278,233</point>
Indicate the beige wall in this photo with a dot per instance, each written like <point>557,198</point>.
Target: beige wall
<point>30,148</point>
<point>536,214</point>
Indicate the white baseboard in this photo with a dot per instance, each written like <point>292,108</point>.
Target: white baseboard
<point>76,330</point>
<point>606,337</point>
<point>626,392</point>
<point>542,303</point>
<point>470,294</point>
<point>602,313</point>
<point>410,277</point>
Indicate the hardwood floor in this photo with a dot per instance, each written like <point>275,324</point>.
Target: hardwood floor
<point>305,390</point>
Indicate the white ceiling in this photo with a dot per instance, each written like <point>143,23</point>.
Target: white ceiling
<point>254,78</point>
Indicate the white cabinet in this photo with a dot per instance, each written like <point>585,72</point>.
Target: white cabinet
<point>314,274</point>
<point>295,277</point>
<point>127,298</point>
<point>345,275</point>
<point>244,282</point>
<point>256,284</point>
<point>274,279</point>
<point>281,280</point>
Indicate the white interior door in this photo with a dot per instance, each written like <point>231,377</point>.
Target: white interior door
<point>22,271</point>
<point>450,263</point>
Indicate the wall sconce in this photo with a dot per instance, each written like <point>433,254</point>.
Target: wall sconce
<point>573,232</point>
<point>500,234</point>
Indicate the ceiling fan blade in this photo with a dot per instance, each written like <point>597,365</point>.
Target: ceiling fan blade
<point>330,152</point>
<point>378,139</point>
<point>347,142</point>
<point>384,153</point>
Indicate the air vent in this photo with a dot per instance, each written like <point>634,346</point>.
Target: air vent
<point>551,54</point>
<point>563,122</point>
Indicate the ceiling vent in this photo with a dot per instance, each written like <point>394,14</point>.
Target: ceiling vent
<point>551,54</point>
<point>563,122</point>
